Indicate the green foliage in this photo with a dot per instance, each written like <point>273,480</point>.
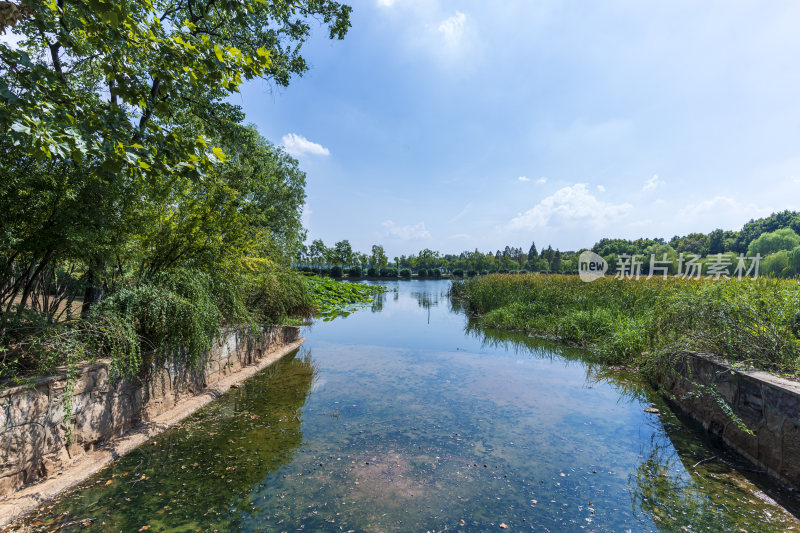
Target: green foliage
<point>274,294</point>
<point>388,272</point>
<point>405,273</point>
<point>421,273</point>
<point>335,272</point>
<point>630,321</point>
<point>332,297</point>
<point>354,272</point>
<point>783,239</point>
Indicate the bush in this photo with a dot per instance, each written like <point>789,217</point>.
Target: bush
<point>373,272</point>
<point>405,273</point>
<point>354,272</point>
<point>388,273</point>
<point>435,273</point>
<point>336,272</point>
<point>458,273</point>
<point>422,273</point>
<point>471,273</point>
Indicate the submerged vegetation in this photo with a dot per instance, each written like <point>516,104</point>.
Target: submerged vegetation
<point>752,323</point>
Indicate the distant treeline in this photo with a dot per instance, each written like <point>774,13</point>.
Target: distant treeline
<point>776,239</point>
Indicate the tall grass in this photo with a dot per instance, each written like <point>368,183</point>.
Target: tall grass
<point>749,322</point>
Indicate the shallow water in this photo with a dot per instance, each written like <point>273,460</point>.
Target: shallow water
<point>404,417</point>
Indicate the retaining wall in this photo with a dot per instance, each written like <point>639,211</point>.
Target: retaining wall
<point>767,404</point>
<point>33,430</point>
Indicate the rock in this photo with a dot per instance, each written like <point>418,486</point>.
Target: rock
<point>651,410</point>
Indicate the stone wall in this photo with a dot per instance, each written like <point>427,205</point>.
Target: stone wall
<point>33,430</point>
<point>767,404</point>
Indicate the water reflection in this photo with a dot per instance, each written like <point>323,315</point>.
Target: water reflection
<point>201,472</point>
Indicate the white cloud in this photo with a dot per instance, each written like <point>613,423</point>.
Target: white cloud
<point>568,205</point>
<point>541,180</point>
<point>452,28</point>
<point>298,145</point>
<point>718,204</point>
<point>406,233</point>
<point>524,178</point>
<point>718,212</point>
<point>652,183</point>
<point>601,188</point>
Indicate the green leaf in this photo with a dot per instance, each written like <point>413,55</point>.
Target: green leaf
<point>219,153</point>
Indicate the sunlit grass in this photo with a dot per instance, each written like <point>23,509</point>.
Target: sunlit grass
<point>749,322</point>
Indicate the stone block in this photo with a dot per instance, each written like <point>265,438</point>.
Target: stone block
<point>787,403</point>
<point>750,403</point>
<point>790,448</point>
<point>22,444</point>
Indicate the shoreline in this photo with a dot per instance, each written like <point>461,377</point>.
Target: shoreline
<point>18,504</point>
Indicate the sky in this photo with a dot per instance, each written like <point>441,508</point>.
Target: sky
<point>456,125</point>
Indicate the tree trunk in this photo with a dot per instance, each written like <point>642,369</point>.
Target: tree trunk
<point>93,292</point>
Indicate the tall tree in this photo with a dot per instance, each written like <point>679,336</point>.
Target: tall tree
<point>113,93</point>
<point>378,257</point>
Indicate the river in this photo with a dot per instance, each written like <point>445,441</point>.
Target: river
<point>405,416</point>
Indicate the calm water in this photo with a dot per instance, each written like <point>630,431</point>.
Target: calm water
<point>403,417</point>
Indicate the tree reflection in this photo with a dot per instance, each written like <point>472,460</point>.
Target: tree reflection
<point>685,481</point>
<point>201,472</point>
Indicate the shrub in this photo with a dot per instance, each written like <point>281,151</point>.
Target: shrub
<point>405,273</point>
<point>336,272</point>
<point>373,272</point>
<point>388,273</point>
<point>422,273</point>
<point>471,273</point>
<point>435,273</point>
<point>458,273</point>
<point>354,272</point>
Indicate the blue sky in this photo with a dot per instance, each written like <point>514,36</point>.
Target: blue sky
<point>461,124</point>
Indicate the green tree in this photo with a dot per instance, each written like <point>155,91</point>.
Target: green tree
<point>342,253</point>
<point>112,93</point>
<point>378,257</point>
<point>775,241</point>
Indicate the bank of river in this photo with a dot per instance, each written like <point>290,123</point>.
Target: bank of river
<point>403,417</point>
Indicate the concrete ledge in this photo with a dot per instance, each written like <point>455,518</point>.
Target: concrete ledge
<point>767,404</point>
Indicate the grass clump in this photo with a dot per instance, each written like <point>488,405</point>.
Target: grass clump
<point>748,322</point>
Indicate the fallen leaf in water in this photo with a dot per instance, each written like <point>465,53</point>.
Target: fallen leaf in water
<point>109,482</point>
<point>144,528</point>
<point>503,526</point>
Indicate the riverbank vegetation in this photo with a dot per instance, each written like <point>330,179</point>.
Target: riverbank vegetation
<point>775,238</point>
<point>752,323</point>
<point>140,211</point>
